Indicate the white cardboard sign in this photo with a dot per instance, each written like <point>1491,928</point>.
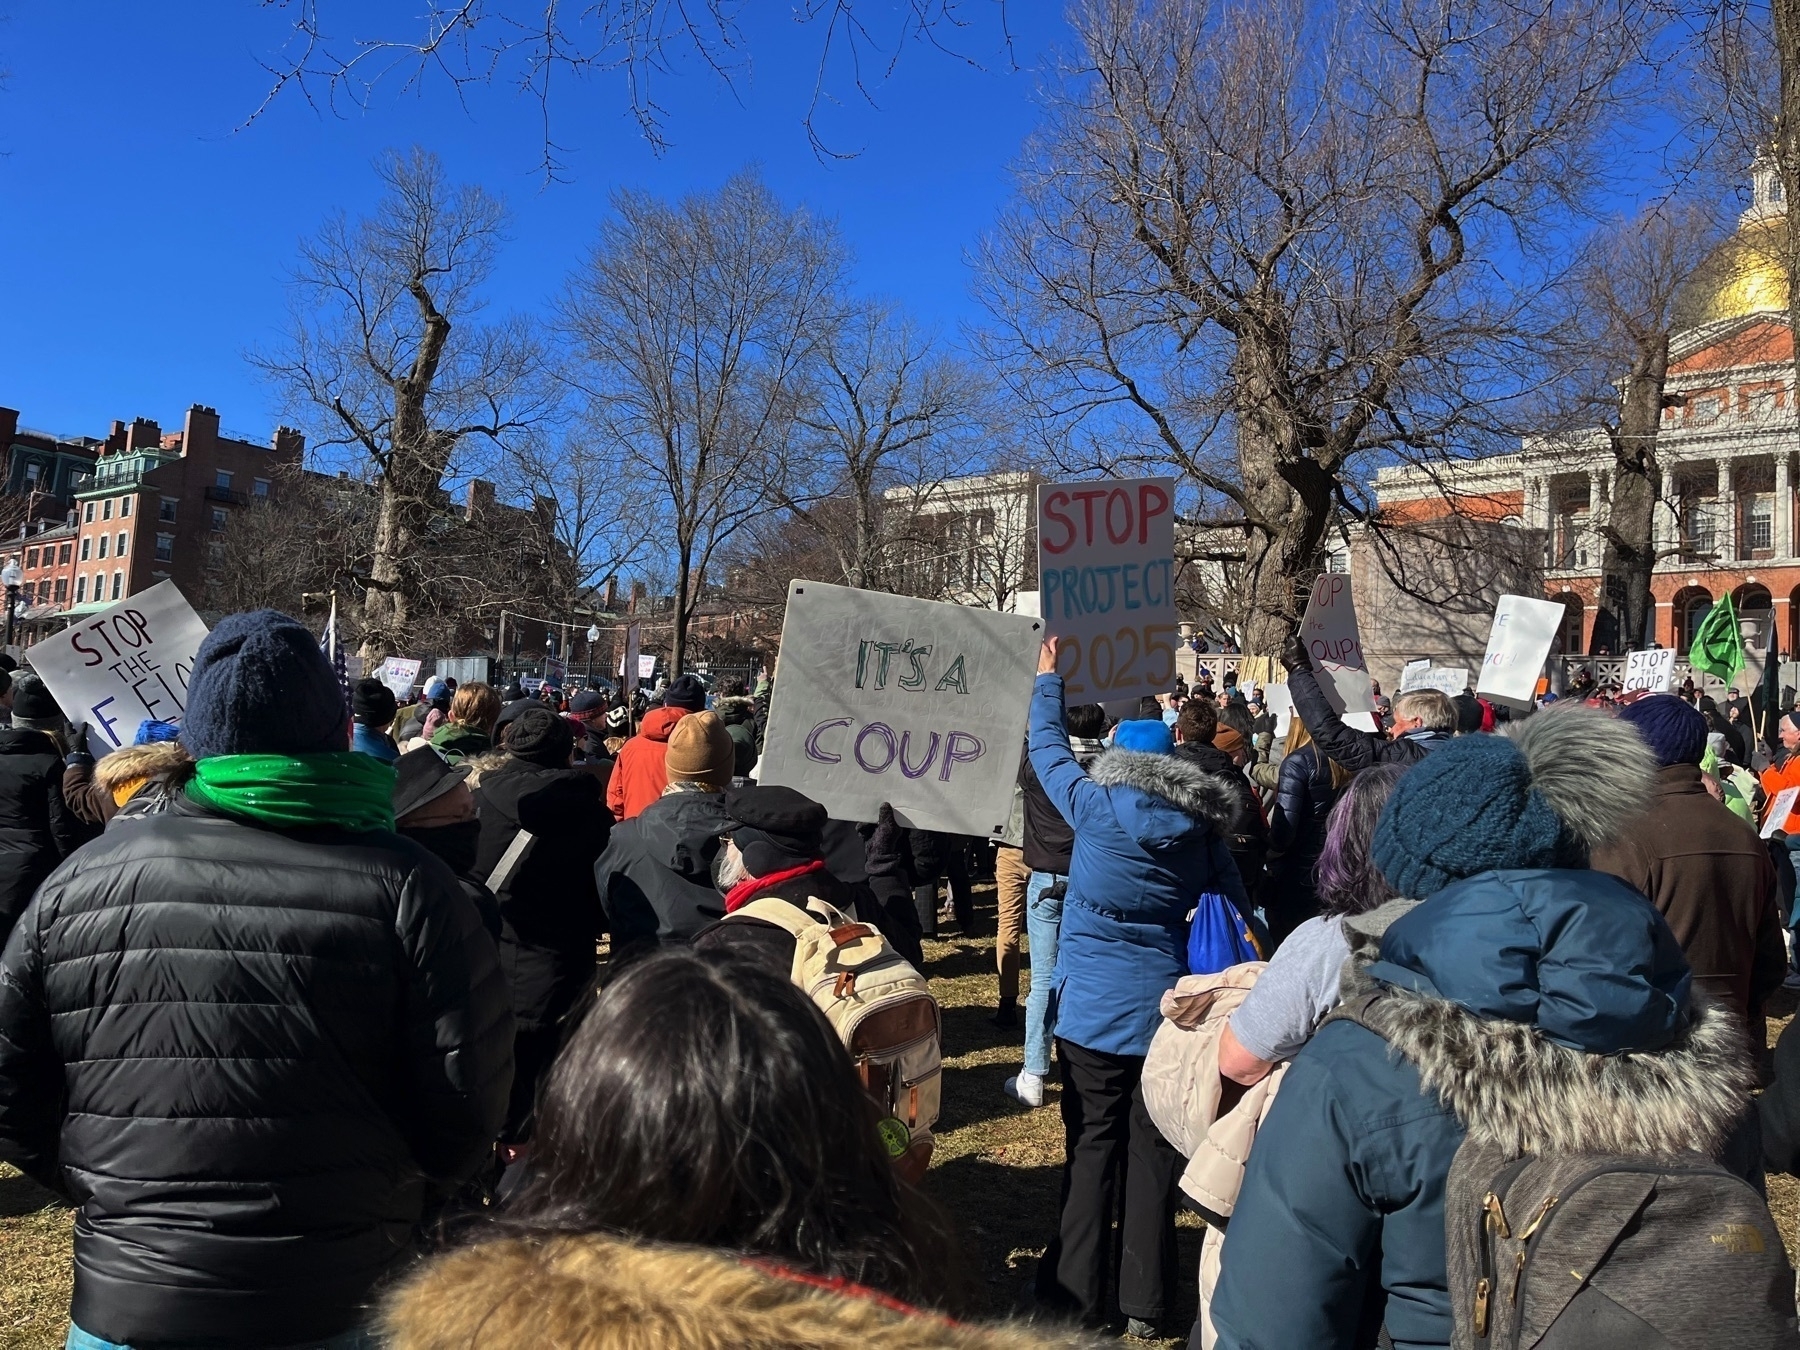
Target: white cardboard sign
<point>1778,811</point>
<point>1329,631</point>
<point>1652,670</point>
<point>1517,646</point>
<point>125,665</point>
<point>399,673</point>
<point>1276,701</point>
<point>883,698</point>
<point>1447,680</point>
<point>1106,585</point>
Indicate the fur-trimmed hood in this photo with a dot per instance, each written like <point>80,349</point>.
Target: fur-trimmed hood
<point>599,1293</point>
<point>734,708</point>
<point>135,763</point>
<point>1187,787</point>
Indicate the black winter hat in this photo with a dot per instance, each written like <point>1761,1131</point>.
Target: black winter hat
<point>373,703</point>
<point>540,736</point>
<point>421,776</point>
<point>687,692</point>
<point>778,828</point>
<point>261,685</point>
<point>588,700</point>
<point>33,706</point>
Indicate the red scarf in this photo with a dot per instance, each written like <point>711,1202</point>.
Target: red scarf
<point>750,887</point>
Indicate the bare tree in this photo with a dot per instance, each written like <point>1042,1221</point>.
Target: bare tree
<point>384,360</point>
<point>538,44</point>
<point>886,407</point>
<point>599,520</point>
<point>1622,305</point>
<point>308,535</point>
<point>1270,244</point>
<point>693,323</point>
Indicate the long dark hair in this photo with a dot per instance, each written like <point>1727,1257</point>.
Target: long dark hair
<point>705,1100</point>
<point>1345,877</point>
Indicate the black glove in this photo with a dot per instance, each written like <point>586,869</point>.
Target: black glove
<point>888,854</point>
<point>1293,653</point>
<point>77,754</point>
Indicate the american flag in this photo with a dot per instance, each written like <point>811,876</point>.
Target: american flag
<point>334,652</point>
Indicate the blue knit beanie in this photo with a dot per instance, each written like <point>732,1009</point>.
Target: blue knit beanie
<point>1675,733</point>
<point>261,686</point>
<point>1144,734</point>
<point>1468,807</point>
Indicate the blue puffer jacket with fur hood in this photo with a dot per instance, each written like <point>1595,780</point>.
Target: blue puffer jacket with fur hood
<point>1150,839</point>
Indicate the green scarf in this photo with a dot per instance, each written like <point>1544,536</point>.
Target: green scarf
<point>346,789</point>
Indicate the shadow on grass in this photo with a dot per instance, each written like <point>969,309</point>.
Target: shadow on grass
<point>20,1195</point>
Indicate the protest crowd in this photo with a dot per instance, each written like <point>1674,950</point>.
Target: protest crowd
<point>486,1018</point>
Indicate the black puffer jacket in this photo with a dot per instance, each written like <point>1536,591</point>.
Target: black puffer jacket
<point>1248,838</point>
<point>549,910</point>
<point>656,876</point>
<point>1303,803</point>
<point>251,1050</point>
<point>37,831</point>
<point>1049,839</point>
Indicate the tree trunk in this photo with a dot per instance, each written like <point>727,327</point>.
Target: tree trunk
<point>1630,534</point>
<point>678,642</point>
<point>385,604</point>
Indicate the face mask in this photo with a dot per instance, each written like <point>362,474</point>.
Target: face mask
<point>454,843</point>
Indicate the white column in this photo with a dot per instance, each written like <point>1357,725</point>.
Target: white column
<point>1784,508</point>
<point>1725,512</point>
<point>1599,512</point>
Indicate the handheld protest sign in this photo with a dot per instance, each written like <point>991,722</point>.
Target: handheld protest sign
<point>1335,646</point>
<point>125,665</point>
<point>1447,680</point>
<point>1779,810</point>
<point>883,698</point>
<point>399,674</point>
<point>1106,585</point>
<point>1518,645</point>
<point>1651,670</point>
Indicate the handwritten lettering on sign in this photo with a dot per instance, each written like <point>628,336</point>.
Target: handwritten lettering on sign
<point>1335,646</point>
<point>882,698</point>
<point>1106,585</point>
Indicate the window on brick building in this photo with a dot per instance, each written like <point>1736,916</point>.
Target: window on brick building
<point>28,593</point>
<point>218,519</point>
<point>87,514</point>
<point>87,545</point>
<point>62,590</point>
<point>168,509</point>
<point>260,487</point>
<point>165,548</point>
<point>119,545</point>
<point>124,508</point>
<point>100,552</point>
<point>81,590</point>
<point>223,479</point>
<point>62,555</point>
<point>118,585</point>
<point>1759,520</point>
<point>106,509</point>
<point>31,557</point>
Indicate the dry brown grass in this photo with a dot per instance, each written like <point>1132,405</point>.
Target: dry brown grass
<point>996,1170</point>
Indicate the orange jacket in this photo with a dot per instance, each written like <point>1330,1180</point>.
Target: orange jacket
<point>1774,779</point>
<point>639,776</point>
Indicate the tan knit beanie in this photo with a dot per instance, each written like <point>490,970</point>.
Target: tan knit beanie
<point>701,751</point>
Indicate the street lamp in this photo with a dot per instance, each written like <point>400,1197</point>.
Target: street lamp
<point>593,637</point>
<point>11,577</point>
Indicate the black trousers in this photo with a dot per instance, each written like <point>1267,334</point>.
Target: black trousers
<point>962,893</point>
<point>1112,1152</point>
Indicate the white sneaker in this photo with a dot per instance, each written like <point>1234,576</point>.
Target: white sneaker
<point>1025,1087</point>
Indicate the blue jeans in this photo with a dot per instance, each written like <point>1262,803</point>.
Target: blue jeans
<point>349,1340</point>
<point>1043,921</point>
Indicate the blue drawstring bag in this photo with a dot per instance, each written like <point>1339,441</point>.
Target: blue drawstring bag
<point>1219,937</point>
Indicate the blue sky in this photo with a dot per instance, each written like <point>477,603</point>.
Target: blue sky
<point>144,237</point>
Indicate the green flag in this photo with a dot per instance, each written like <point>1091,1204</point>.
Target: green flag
<point>1717,648</point>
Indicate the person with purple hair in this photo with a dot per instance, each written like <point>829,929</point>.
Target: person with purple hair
<point>1300,986</point>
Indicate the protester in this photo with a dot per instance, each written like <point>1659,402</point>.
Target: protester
<point>940,857</point>
<point>1307,787</point>
<point>738,712</point>
<point>372,705</point>
<point>1012,879</point>
<point>38,829</point>
<point>1528,1003</point>
<point>1149,841</point>
<point>703,1105</point>
<point>656,879</point>
<point>474,709</point>
<point>434,808</point>
<point>1049,841</point>
<point>149,772</point>
<point>550,912</point>
<point>638,776</point>
<point>434,698</point>
<point>1704,869</point>
<point>246,1036</point>
<point>1197,737</point>
<point>1423,719</point>
<point>1785,771</point>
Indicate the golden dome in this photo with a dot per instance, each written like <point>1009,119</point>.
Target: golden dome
<point>1742,276</point>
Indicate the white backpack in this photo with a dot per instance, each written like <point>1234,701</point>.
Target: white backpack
<point>881,1008</point>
